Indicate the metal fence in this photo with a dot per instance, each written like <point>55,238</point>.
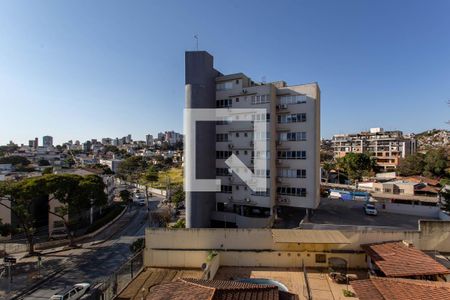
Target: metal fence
<point>119,280</point>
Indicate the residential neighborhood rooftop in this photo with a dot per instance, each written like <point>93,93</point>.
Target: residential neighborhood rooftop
<point>400,259</point>
<point>400,289</point>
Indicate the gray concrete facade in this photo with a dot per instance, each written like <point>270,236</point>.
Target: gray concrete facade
<point>200,93</point>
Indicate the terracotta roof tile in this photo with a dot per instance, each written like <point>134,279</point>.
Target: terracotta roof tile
<point>400,289</point>
<point>396,259</point>
<point>198,289</point>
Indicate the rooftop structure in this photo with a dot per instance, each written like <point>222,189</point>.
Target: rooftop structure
<point>402,259</point>
<point>292,121</point>
<point>400,289</point>
<point>388,147</point>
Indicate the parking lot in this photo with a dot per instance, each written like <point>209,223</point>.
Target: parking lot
<point>340,212</point>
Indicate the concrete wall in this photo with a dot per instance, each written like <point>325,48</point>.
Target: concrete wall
<point>415,210</point>
<point>256,247</point>
<point>200,93</point>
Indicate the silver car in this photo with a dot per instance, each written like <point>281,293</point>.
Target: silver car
<point>73,293</point>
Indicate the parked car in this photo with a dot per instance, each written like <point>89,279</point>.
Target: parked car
<point>73,293</point>
<point>59,233</point>
<point>370,209</point>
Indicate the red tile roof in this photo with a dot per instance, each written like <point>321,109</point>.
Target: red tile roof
<point>400,289</point>
<point>396,259</point>
<point>198,289</point>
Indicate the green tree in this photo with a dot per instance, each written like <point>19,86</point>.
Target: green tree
<point>178,196</point>
<point>412,165</point>
<point>356,165</point>
<point>76,194</point>
<point>14,160</point>
<point>131,169</point>
<point>47,171</point>
<point>20,196</point>
<point>43,162</point>
<point>148,178</point>
<point>436,162</point>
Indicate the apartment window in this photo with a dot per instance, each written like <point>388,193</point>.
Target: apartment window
<point>291,154</point>
<point>237,152</point>
<point>224,103</point>
<point>265,193</point>
<point>293,99</point>
<point>222,137</point>
<point>262,173</point>
<point>260,99</point>
<point>223,86</point>
<point>237,81</point>
<point>292,173</point>
<point>245,134</point>
<point>292,136</point>
<point>237,99</point>
<point>225,121</point>
<point>291,191</point>
<point>292,118</point>
<point>245,152</point>
<point>401,191</point>
<point>261,117</point>
<point>237,134</point>
<point>387,190</point>
<point>237,188</point>
<point>260,136</point>
<point>223,154</point>
<point>223,171</point>
<point>321,258</point>
<point>226,189</point>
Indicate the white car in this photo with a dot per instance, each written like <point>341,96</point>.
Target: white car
<point>73,293</point>
<point>370,209</point>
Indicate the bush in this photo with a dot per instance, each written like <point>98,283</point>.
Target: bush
<point>115,211</point>
<point>348,293</point>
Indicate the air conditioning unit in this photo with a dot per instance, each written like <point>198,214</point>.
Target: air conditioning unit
<point>279,161</point>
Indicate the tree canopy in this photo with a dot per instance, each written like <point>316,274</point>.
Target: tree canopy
<point>356,165</point>
<point>434,163</point>
<point>14,160</point>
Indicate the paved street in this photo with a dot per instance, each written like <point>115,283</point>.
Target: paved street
<point>98,258</point>
<point>351,213</point>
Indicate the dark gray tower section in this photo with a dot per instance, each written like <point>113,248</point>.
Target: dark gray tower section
<point>201,93</point>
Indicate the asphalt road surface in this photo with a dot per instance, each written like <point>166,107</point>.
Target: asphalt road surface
<point>96,261</point>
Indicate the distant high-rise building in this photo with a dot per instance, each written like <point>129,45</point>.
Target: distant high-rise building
<point>293,142</point>
<point>47,141</point>
<point>387,147</point>
<point>31,143</point>
<point>106,141</point>
<point>149,139</point>
<point>128,139</point>
<point>36,142</point>
<point>87,146</point>
<point>161,136</point>
<point>115,142</point>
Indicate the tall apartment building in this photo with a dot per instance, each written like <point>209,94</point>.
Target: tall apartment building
<point>388,147</point>
<point>293,139</point>
<point>47,141</point>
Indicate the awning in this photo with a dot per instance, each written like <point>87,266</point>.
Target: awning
<point>309,236</point>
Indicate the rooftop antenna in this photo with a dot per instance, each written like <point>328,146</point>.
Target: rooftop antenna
<point>196,40</point>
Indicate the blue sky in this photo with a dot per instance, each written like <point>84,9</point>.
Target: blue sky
<point>92,69</point>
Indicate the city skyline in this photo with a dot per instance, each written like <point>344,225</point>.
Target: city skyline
<point>100,78</point>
